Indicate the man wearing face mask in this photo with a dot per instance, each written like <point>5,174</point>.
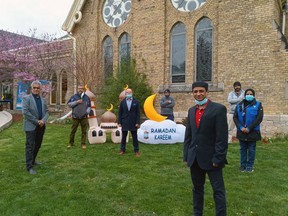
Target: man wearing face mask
<point>129,120</point>
<point>247,117</point>
<point>205,148</point>
<point>234,98</point>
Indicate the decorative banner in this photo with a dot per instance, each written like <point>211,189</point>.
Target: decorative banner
<point>164,132</point>
<point>22,91</point>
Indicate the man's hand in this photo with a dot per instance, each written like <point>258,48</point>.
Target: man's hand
<point>215,165</point>
<point>137,125</point>
<point>79,101</point>
<point>41,123</point>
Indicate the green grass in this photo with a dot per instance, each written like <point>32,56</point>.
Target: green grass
<point>97,181</point>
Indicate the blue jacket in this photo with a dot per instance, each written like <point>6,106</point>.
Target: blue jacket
<point>248,115</point>
<point>129,118</point>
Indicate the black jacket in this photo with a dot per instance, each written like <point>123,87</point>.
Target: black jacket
<point>209,142</point>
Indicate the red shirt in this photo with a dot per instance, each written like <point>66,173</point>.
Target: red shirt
<point>199,113</point>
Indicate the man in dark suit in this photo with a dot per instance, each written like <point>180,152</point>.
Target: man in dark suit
<point>129,120</point>
<point>35,111</point>
<point>205,148</point>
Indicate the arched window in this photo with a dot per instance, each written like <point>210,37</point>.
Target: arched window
<point>204,44</point>
<point>178,53</point>
<point>125,49</point>
<point>63,87</point>
<point>53,94</point>
<point>107,51</point>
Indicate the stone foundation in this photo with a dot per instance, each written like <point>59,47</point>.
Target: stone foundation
<point>271,126</point>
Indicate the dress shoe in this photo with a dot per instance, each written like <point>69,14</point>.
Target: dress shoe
<point>69,146</point>
<point>37,163</point>
<point>121,152</point>
<point>83,146</point>
<point>137,154</point>
<point>32,171</point>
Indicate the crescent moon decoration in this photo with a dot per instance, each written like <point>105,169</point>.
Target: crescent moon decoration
<point>86,87</point>
<point>111,107</point>
<point>126,87</point>
<point>150,111</point>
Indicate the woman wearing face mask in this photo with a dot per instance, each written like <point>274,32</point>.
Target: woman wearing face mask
<point>247,117</point>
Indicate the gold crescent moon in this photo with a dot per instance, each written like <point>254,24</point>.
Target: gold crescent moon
<point>126,87</point>
<point>86,87</point>
<point>150,111</point>
<point>111,107</point>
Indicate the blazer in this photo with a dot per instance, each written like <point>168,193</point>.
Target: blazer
<point>129,118</point>
<point>209,142</point>
<point>30,112</point>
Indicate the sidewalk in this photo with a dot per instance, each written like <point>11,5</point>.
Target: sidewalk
<point>5,120</point>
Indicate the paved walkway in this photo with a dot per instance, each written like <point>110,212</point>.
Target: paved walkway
<point>5,120</point>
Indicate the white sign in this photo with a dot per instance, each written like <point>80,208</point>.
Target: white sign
<point>164,132</point>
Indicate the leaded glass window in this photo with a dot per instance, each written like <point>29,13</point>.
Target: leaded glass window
<point>108,56</point>
<point>178,53</point>
<point>204,47</point>
<point>125,49</point>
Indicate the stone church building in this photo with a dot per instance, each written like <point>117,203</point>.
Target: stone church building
<point>182,41</point>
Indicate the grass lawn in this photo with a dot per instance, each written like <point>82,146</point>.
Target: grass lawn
<point>97,181</point>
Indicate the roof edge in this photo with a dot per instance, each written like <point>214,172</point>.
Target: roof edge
<point>74,16</point>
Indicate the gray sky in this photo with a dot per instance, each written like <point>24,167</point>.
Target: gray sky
<point>47,16</point>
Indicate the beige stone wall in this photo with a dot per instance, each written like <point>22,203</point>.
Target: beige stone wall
<point>246,48</point>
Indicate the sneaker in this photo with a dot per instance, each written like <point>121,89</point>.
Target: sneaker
<point>249,170</point>
<point>137,154</point>
<point>83,146</point>
<point>121,152</point>
<point>242,169</point>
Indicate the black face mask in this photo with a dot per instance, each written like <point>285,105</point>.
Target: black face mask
<point>237,89</point>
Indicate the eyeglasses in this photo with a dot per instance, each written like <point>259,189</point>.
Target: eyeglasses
<point>36,87</point>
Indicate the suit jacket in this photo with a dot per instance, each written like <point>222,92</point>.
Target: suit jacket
<point>129,118</point>
<point>209,142</point>
<point>30,112</point>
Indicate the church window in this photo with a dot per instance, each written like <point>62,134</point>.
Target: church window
<point>204,48</point>
<point>178,53</point>
<point>108,56</point>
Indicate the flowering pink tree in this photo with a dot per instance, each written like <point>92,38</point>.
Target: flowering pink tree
<point>30,58</point>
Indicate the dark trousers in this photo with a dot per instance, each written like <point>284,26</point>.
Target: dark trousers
<point>84,125</point>
<point>33,144</point>
<point>135,140</point>
<point>169,117</point>
<point>216,179</point>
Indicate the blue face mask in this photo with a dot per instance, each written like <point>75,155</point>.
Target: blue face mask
<point>200,103</point>
<point>129,96</point>
<point>249,97</point>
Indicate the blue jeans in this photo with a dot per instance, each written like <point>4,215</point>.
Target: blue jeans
<point>247,153</point>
